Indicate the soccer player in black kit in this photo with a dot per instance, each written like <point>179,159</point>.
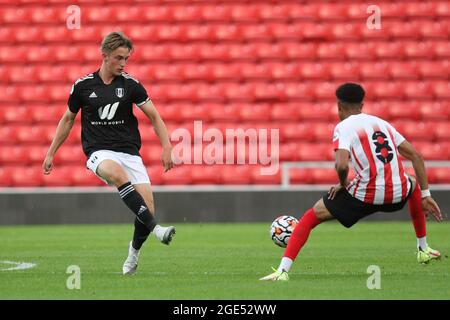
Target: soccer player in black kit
<point>111,139</point>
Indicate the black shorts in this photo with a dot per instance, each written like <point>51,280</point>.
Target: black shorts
<point>348,210</point>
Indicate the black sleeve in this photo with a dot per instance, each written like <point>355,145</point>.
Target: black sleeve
<point>139,96</point>
<point>74,102</point>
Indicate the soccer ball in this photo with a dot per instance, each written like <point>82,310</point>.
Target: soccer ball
<point>281,230</point>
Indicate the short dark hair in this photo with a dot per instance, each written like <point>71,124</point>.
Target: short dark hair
<point>350,93</point>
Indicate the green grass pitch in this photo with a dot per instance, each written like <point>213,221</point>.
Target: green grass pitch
<point>223,261</point>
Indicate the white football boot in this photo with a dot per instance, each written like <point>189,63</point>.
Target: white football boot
<point>164,234</point>
<point>130,265</point>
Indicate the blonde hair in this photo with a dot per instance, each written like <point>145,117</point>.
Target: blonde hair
<point>115,40</point>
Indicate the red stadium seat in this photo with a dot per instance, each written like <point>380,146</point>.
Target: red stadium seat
<point>344,71</point>
<point>273,12</point>
<point>14,15</point>
<point>435,110</point>
<point>155,174</point>
<point>266,177</point>
<point>332,11</point>
<point>330,50</point>
<point>323,131</point>
<point>31,134</point>
<point>13,155</point>
<point>441,175</point>
<point>46,15</point>
<point>288,151</point>
<point>41,54</point>
<point>433,30</point>
<point>251,71</point>
<point>23,74</point>
<point>82,177</point>
<point>284,111</point>
<point>316,111</point>
<point>284,31</point>
<point>390,50</point>
<point>223,72</point>
<point>374,70</point>
<point>239,92</point>
<point>316,31</point>
<point>314,71</point>
<point>434,69</point>
<point>300,176</point>
<point>218,52</point>
<point>52,74</point>
<point>254,112</point>
<point>235,175</point>
<point>8,135</point>
<point>27,176</point>
<point>441,89</point>
<point>205,174</point>
<point>43,114</point>
<point>199,33</point>
<point>442,130</point>
<point>151,153</point>
<point>220,112</point>
<point>441,49</point>
<point>298,11</point>
<point>5,176</point>
<point>59,177</point>
<point>56,34</point>
<point>70,154</point>
<point>415,49</point>
<point>155,13</point>
<point>423,10</point>
<point>36,153</point>
<point>29,34</point>
<point>188,52</point>
<point>242,52</point>
<point>294,50</point>
<point>388,90</point>
<point>404,110</point>
<point>413,130</point>
<point>247,13</point>
<point>267,92</point>
<point>128,13</point>
<point>346,31</point>
<point>360,51</point>
<point>314,152</point>
<point>186,13</point>
<point>216,12</point>
<point>179,175</point>
<point>403,29</point>
<point>16,114</point>
<point>325,91</point>
<point>417,90</point>
<point>431,151</point>
<point>324,176</point>
<point>403,70</point>
<point>301,132</point>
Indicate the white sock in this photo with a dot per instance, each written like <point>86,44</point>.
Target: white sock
<point>422,243</point>
<point>285,264</point>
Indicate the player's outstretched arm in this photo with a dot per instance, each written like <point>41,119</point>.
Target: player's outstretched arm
<point>407,150</point>
<point>161,131</point>
<point>62,132</point>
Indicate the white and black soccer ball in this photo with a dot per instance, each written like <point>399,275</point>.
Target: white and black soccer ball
<point>281,230</point>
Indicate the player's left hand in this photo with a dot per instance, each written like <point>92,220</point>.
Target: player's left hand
<point>166,158</point>
<point>430,206</point>
<point>334,191</point>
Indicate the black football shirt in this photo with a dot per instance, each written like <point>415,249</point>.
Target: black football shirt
<point>107,119</point>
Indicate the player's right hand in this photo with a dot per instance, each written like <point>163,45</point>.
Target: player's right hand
<point>47,165</point>
<point>430,206</point>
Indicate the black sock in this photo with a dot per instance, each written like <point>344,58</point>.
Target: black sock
<point>136,203</point>
<point>141,233</point>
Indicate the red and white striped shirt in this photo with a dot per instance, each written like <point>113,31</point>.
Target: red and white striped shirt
<point>372,143</point>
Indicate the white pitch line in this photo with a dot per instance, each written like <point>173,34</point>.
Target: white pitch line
<point>18,265</point>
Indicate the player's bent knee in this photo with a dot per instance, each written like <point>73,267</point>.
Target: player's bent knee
<point>112,172</point>
<point>321,211</point>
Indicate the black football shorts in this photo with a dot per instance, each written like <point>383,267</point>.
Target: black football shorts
<point>348,210</point>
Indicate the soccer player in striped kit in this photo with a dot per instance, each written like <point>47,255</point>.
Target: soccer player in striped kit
<point>111,139</point>
<point>381,184</point>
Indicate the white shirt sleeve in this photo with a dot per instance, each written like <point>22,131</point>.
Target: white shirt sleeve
<point>398,138</point>
<point>341,138</point>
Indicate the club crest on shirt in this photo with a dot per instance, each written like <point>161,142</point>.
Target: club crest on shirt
<point>120,92</point>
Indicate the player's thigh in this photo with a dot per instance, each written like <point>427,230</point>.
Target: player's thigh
<point>112,172</point>
<point>321,211</point>
<point>145,190</point>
